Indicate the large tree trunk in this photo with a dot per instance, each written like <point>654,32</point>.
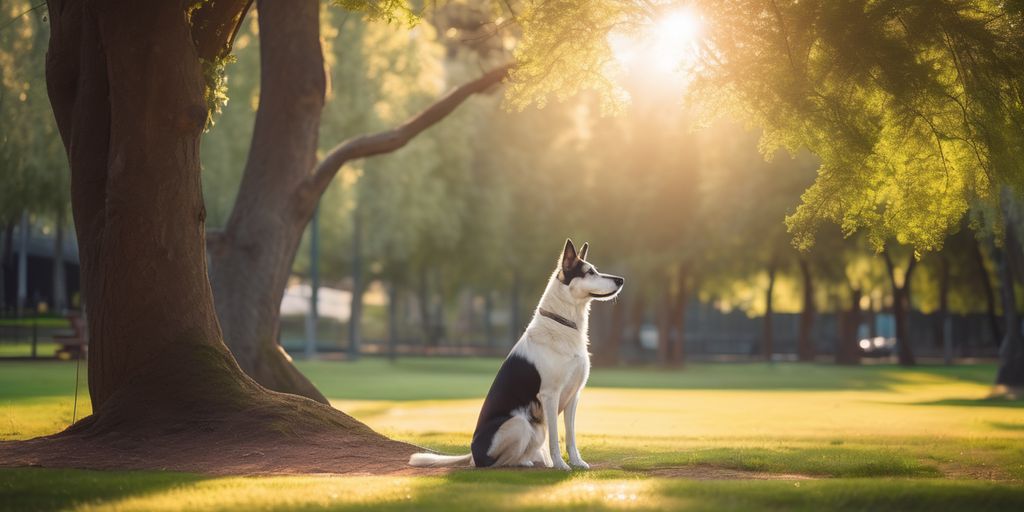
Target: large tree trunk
<point>60,284</point>
<point>265,227</point>
<point>281,185</point>
<point>127,90</point>
<point>806,349</point>
<point>901,309</point>
<point>767,333</point>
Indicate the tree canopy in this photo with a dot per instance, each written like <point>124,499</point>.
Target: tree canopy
<point>914,107</point>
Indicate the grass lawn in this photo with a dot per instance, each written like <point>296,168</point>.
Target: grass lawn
<point>868,438</point>
<point>42,322</point>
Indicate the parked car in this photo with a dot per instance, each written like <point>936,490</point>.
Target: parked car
<point>878,346</point>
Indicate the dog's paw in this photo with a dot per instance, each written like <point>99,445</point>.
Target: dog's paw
<point>560,464</point>
<point>526,464</point>
<point>579,464</point>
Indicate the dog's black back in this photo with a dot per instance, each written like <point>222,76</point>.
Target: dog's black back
<point>515,386</point>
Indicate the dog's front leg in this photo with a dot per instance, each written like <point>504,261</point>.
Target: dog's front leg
<point>570,434</point>
<point>550,405</point>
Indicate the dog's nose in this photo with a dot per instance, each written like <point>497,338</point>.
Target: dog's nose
<point>618,281</point>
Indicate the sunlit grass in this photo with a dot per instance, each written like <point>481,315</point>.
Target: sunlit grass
<point>484,490</point>
<point>24,349</point>
<point>930,429</point>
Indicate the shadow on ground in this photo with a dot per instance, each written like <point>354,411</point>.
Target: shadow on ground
<point>63,489</point>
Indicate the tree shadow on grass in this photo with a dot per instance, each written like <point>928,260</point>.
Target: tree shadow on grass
<point>1005,425</point>
<point>61,489</point>
<point>824,461</point>
<point>517,476</point>
<point>975,402</point>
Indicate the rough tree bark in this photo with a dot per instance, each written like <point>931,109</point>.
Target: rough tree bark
<point>281,185</point>
<point>126,85</point>
<point>265,227</point>
<point>806,349</point>
<point>901,308</point>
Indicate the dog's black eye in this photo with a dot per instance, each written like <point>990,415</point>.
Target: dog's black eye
<point>591,272</point>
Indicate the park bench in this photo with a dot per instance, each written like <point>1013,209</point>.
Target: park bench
<point>76,344</point>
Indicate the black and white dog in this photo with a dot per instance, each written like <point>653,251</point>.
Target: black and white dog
<point>542,377</point>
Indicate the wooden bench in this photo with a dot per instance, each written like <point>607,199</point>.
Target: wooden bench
<point>76,344</point>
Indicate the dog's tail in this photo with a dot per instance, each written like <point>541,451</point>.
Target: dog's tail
<point>434,460</point>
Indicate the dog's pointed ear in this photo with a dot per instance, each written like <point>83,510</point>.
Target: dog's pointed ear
<point>585,250</point>
<point>569,255</point>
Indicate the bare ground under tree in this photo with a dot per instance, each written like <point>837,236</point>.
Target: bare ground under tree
<point>241,429</point>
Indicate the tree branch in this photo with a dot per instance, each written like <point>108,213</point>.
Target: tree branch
<point>395,138</point>
<point>214,26</point>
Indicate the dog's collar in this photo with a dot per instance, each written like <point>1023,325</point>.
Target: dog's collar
<point>558,318</point>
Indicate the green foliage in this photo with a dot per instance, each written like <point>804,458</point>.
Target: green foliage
<point>565,49</point>
<point>913,107</point>
<point>216,92</point>
<point>33,166</point>
<point>383,10</point>
<point>882,94</point>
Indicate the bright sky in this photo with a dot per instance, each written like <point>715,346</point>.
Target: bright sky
<point>665,51</point>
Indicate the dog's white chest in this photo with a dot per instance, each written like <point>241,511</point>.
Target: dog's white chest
<point>577,372</point>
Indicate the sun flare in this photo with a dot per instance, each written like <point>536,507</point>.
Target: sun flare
<point>669,45</point>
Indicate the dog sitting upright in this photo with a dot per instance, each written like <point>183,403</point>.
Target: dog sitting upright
<point>542,377</point>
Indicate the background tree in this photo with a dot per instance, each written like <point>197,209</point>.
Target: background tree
<point>34,170</point>
<point>155,345</point>
<point>900,279</point>
<point>281,186</point>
